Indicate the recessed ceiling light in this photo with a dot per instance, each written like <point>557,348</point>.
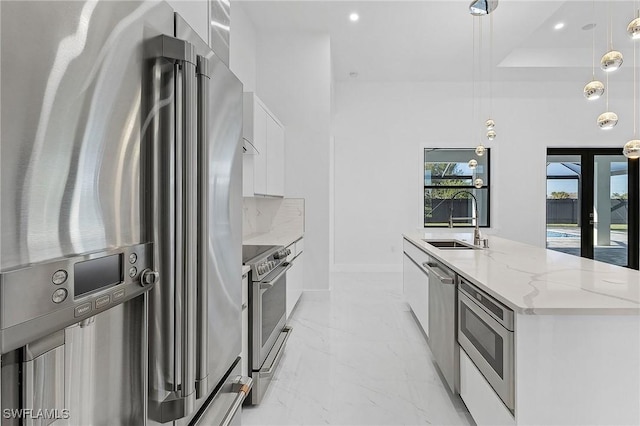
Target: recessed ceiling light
<point>559,26</point>
<point>353,74</point>
<point>354,17</point>
<point>589,27</point>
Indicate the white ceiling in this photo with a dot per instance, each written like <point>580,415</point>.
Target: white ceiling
<point>433,40</point>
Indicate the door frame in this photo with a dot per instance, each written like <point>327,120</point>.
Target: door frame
<point>587,158</point>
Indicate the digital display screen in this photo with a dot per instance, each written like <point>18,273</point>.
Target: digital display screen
<point>94,274</point>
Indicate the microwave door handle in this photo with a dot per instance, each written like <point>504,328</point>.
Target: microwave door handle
<point>268,284</point>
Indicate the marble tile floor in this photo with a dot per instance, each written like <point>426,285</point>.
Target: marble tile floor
<point>357,357</point>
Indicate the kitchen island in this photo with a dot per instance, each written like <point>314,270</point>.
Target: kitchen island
<point>576,332</point>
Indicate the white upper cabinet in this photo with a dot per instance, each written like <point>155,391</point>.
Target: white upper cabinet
<point>263,167</point>
<point>275,158</point>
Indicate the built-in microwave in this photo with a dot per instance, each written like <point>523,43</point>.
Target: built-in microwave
<point>485,333</point>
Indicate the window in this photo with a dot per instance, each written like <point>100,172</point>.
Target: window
<point>447,175</point>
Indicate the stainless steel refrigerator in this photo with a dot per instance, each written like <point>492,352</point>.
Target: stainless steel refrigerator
<point>120,218</point>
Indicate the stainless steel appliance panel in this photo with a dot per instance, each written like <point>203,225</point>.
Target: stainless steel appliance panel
<point>224,244</point>
<point>218,342</point>
<point>442,322</point>
<point>262,377</point>
<point>219,31</point>
<point>64,291</point>
<point>71,125</point>
<point>106,366</point>
<point>92,373</point>
<point>268,314</point>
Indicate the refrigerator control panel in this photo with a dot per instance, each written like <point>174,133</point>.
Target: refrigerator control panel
<point>63,291</point>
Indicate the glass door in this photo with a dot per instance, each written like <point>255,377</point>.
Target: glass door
<point>564,182</point>
<point>610,224</point>
<point>592,205</point>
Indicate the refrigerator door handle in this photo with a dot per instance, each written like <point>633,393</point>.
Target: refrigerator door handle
<point>180,246</point>
<point>202,329</point>
<point>186,235</point>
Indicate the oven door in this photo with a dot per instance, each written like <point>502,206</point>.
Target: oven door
<point>269,313</point>
<point>489,345</point>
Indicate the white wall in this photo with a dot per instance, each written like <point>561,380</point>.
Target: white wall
<point>379,129</point>
<point>293,78</point>
<point>242,47</point>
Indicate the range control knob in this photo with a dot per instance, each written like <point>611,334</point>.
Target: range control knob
<point>272,264</point>
<point>148,277</point>
<point>278,255</point>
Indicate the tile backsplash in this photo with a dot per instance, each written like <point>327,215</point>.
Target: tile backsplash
<point>262,215</point>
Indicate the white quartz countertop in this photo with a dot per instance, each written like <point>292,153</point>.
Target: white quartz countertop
<point>534,280</point>
<point>281,237</point>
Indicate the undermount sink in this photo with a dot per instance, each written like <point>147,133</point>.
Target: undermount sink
<point>451,244</point>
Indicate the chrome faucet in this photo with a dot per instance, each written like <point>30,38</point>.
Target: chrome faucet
<point>477,238</point>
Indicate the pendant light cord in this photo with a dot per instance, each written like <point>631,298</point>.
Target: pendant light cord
<point>607,94</point>
<point>480,71</point>
<point>635,75</point>
<point>473,74</point>
<point>491,66</point>
<point>610,28</point>
<point>593,41</point>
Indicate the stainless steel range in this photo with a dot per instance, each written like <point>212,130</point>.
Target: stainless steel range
<point>268,333</point>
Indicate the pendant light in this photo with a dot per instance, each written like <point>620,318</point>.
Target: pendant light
<point>612,60</point>
<point>607,120</point>
<point>632,148</point>
<point>482,7</point>
<point>472,164</point>
<point>594,89</point>
<point>633,29</point>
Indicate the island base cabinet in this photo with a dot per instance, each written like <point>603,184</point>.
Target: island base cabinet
<point>484,405</point>
<point>416,291</point>
<point>578,369</point>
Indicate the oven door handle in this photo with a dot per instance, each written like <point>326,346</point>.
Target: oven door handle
<point>269,284</point>
<point>269,370</point>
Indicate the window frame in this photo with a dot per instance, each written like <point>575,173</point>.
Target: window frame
<point>486,186</point>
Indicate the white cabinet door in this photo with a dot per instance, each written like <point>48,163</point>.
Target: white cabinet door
<point>245,326</point>
<point>416,291</point>
<point>483,403</point>
<point>260,161</point>
<point>275,158</point>
<point>263,169</point>
<point>295,280</point>
<point>247,175</point>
